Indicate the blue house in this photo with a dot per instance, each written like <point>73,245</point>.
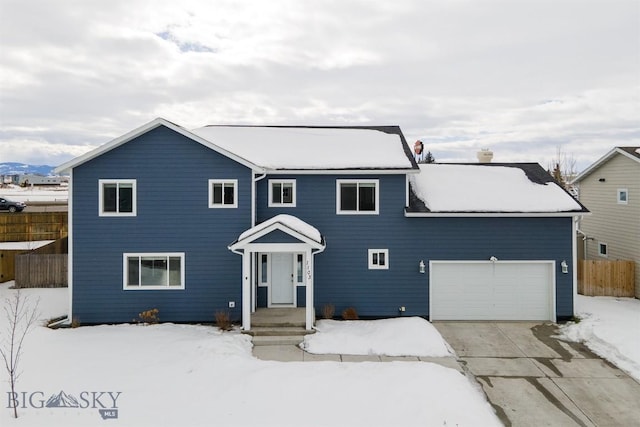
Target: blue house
<point>245,217</point>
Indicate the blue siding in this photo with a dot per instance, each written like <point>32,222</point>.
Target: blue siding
<point>342,276</point>
<point>277,236</point>
<point>172,174</point>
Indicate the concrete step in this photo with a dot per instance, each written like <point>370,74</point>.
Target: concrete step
<point>277,324</point>
<point>261,340</point>
<point>277,331</point>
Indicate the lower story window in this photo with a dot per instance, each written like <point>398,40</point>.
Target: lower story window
<point>378,259</point>
<point>154,271</point>
<point>603,249</point>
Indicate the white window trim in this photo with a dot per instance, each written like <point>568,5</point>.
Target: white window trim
<point>222,205</point>
<point>620,191</point>
<point>293,195</point>
<point>376,182</point>
<point>125,272</point>
<point>606,248</point>
<point>102,182</point>
<point>373,266</point>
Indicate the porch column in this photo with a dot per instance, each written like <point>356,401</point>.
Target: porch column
<point>246,290</point>
<point>309,312</point>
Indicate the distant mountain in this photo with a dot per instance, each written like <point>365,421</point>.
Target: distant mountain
<point>12,168</point>
<point>62,400</point>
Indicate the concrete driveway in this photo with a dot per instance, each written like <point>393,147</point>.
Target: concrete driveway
<point>533,379</point>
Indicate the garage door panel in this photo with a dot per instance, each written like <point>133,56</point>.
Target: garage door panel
<point>491,290</point>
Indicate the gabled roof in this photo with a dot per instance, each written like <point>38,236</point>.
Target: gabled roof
<point>288,224</point>
<point>144,129</point>
<point>316,148</point>
<point>479,189</point>
<point>632,153</point>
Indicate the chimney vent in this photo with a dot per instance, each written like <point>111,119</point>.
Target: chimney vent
<point>485,155</point>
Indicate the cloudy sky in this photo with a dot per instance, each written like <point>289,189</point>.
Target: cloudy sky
<point>522,78</point>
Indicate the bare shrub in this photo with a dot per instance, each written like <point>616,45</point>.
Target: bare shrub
<point>350,313</point>
<point>149,317</point>
<point>75,323</point>
<point>328,310</point>
<point>222,320</point>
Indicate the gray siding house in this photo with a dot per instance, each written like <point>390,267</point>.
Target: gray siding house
<point>611,189</point>
<point>246,217</point>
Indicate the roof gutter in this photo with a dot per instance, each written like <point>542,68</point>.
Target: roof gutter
<point>492,214</point>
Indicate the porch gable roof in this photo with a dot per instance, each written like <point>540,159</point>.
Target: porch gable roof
<point>288,224</point>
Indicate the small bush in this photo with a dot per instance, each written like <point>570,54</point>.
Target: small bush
<point>328,310</point>
<point>222,320</point>
<point>75,322</point>
<point>149,317</point>
<point>350,313</point>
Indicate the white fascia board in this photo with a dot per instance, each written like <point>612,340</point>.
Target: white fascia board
<point>142,130</point>
<point>589,170</point>
<point>341,171</point>
<point>493,214</point>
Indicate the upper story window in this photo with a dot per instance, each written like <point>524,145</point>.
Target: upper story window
<point>153,271</point>
<point>357,196</point>
<point>117,197</point>
<point>623,196</point>
<point>223,193</point>
<point>282,193</point>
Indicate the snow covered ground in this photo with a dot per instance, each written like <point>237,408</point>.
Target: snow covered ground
<point>610,327</point>
<point>36,194</point>
<point>193,375</point>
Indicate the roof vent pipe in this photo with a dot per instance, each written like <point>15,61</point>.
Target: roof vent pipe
<point>485,155</point>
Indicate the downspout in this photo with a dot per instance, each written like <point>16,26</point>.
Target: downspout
<point>310,303</point>
<point>254,181</point>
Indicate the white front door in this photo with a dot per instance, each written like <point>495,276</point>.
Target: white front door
<point>282,283</point>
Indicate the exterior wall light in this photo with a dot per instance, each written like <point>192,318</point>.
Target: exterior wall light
<point>565,267</point>
<point>422,266</point>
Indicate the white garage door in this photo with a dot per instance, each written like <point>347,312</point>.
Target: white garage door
<point>485,290</point>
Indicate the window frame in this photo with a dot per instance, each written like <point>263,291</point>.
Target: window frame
<point>222,205</point>
<point>140,255</point>
<point>375,182</point>
<point>272,204</point>
<point>605,246</point>
<point>621,191</point>
<point>134,197</point>
<point>372,253</point>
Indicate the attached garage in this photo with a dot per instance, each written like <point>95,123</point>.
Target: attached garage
<point>492,290</point>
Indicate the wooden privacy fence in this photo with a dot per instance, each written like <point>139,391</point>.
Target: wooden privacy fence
<point>41,271</point>
<point>606,278</point>
<point>27,226</point>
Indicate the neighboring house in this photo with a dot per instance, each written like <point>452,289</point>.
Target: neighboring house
<point>242,217</point>
<point>34,179</point>
<point>611,189</point>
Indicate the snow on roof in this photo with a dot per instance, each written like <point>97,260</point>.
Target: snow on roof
<point>288,221</point>
<point>301,148</point>
<point>487,188</point>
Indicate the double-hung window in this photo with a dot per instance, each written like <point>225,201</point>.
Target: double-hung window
<point>282,193</point>
<point>117,197</point>
<point>153,271</point>
<point>223,193</point>
<point>357,196</point>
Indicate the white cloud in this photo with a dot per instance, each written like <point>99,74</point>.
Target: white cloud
<point>518,77</point>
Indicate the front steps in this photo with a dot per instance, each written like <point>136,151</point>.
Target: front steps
<point>278,326</point>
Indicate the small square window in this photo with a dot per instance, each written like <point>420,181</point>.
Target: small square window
<point>378,259</point>
<point>623,196</point>
<point>223,193</point>
<point>117,197</point>
<point>603,249</point>
<point>282,193</point>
